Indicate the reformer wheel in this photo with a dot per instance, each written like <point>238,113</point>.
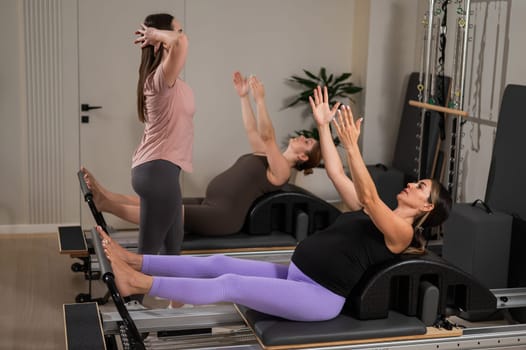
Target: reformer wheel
<point>82,298</point>
<point>78,267</point>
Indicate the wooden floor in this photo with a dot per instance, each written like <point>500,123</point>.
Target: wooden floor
<point>35,281</point>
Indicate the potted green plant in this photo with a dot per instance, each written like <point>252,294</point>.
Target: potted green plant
<point>339,88</point>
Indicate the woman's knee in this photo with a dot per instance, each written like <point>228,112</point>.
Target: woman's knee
<point>217,260</point>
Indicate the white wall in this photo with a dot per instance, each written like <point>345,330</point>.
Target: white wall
<point>516,69</point>
<point>14,135</point>
<point>390,59</point>
<point>13,195</point>
<point>273,39</point>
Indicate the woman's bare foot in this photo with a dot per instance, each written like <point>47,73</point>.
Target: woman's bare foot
<point>174,304</point>
<point>132,259</point>
<point>100,196</point>
<point>128,280</point>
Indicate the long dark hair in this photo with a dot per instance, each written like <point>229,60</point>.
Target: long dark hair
<point>313,161</point>
<point>441,200</point>
<point>150,60</point>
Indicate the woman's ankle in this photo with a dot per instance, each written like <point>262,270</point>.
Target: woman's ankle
<point>141,284</point>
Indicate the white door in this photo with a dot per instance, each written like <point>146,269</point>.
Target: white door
<point>108,66</point>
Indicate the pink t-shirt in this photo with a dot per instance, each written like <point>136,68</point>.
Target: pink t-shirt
<point>169,129</point>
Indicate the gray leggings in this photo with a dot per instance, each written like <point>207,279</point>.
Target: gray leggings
<point>161,219</point>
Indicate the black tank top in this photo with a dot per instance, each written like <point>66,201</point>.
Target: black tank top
<point>338,256</point>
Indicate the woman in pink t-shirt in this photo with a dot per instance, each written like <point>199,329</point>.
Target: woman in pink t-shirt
<point>165,104</point>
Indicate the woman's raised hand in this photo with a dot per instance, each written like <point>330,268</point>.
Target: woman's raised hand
<point>240,84</point>
<point>256,88</point>
<point>321,110</point>
<point>347,128</point>
<point>147,37</point>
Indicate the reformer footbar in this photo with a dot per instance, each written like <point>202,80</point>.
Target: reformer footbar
<point>73,242</point>
<point>88,198</point>
<point>87,332</point>
<point>128,330</point>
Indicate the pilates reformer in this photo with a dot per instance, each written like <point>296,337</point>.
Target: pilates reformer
<point>274,225</point>
<point>436,289</point>
<point>402,304</point>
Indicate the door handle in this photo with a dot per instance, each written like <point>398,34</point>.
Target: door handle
<point>86,107</point>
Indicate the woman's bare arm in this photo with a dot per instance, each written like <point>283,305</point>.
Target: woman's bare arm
<point>323,115</point>
<point>397,231</point>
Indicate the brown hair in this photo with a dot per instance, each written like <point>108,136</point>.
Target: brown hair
<point>313,161</point>
<point>150,59</point>
<point>441,200</point>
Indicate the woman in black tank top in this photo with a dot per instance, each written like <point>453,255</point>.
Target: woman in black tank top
<point>325,266</point>
<point>339,256</point>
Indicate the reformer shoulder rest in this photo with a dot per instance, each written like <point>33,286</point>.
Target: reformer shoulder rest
<point>395,285</point>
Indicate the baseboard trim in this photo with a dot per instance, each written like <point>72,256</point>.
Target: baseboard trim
<point>39,228</point>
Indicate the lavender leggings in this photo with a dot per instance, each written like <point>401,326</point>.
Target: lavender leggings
<point>266,287</point>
